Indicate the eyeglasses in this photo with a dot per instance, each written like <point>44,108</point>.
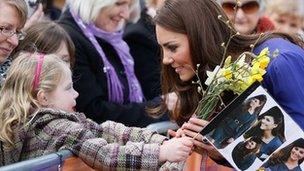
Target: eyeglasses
<point>9,33</point>
<point>248,7</point>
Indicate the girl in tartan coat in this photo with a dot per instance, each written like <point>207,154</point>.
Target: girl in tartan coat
<point>37,118</point>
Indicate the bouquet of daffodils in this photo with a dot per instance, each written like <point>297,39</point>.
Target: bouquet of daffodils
<point>236,76</point>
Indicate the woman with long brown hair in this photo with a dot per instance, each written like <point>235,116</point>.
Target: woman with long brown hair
<point>242,118</point>
<point>288,158</point>
<point>191,32</point>
<point>244,153</point>
<point>270,129</point>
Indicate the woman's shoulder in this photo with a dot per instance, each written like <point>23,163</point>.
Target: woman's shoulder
<point>277,167</point>
<point>68,23</point>
<point>276,141</point>
<point>279,46</point>
<point>66,19</point>
<point>282,166</point>
<point>284,55</point>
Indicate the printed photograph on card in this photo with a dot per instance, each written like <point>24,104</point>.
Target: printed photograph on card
<point>290,157</point>
<point>270,130</point>
<point>251,129</point>
<point>236,118</point>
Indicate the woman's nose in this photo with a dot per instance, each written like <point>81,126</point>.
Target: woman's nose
<point>76,94</point>
<point>239,14</point>
<point>168,60</point>
<point>13,40</point>
<point>125,12</point>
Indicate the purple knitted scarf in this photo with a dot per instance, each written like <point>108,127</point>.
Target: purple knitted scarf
<point>115,92</point>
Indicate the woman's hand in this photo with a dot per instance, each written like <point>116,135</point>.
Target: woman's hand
<point>201,145</point>
<point>192,129</point>
<point>175,149</point>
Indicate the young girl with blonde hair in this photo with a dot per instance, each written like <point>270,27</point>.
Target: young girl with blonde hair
<point>37,118</point>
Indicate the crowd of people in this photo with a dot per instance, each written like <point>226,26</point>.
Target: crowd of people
<point>134,65</point>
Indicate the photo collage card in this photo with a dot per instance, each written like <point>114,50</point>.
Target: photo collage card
<point>255,133</point>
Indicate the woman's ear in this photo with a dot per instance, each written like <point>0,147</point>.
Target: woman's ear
<point>42,98</point>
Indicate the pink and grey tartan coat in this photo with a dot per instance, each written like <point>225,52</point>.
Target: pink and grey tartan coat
<point>106,146</point>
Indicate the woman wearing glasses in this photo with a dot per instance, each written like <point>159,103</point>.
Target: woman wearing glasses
<point>247,16</point>
<point>13,15</point>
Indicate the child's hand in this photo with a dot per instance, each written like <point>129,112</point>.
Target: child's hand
<point>175,149</point>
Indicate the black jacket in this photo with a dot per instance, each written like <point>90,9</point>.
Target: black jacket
<point>144,48</point>
<point>91,83</point>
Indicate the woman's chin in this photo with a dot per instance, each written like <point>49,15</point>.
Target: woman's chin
<point>185,77</point>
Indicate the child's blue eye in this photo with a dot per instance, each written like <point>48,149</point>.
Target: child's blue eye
<point>69,87</point>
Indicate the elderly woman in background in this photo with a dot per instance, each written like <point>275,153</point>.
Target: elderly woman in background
<point>104,73</point>
<point>13,15</point>
<point>247,16</point>
<point>48,37</point>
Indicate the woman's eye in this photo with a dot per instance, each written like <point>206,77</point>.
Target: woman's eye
<point>172,48</point>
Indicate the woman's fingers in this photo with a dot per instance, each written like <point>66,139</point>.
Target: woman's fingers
<point>195,124</point>
<point>192,134</point>
<point>199,122</point>
<point>193,127</point>
<point>203,145</point>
